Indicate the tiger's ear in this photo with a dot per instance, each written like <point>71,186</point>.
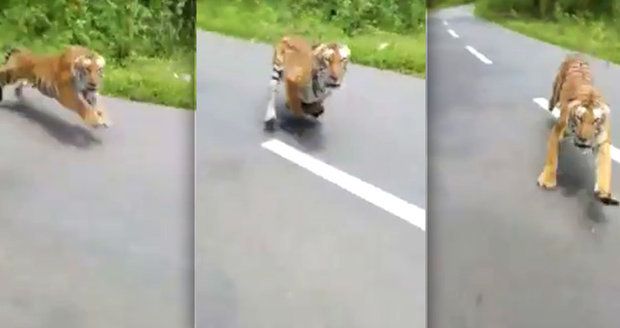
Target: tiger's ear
<point>600,111</point>
<point>100,61</point>
<point>344,51</point>
<point>323,51</point>
<point>81,62</point>
<point>318,49</point>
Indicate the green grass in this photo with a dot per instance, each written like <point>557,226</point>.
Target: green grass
<point>402,53</point>
<point>138,78</point>
<point>161,81</point>
<point>597,37</point>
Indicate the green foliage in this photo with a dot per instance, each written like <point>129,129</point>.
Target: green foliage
<point>549,8</point>
<point>117,28</point>
<point>351,16</point>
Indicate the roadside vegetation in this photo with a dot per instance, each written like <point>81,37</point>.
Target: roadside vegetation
<point>588,26</point>
<point>387,34</point>
<point>149,46</point>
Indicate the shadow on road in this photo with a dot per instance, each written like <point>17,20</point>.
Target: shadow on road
<point>306,131</point>
<point>63,131</point>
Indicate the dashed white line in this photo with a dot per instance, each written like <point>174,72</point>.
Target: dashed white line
<point>544,104</point>
<point>479,55</point>
<point>454,35</point>
<point>382,199</point>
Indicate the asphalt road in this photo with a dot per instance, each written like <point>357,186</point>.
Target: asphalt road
<point>503,252</point>
<point>277,246</point>
<point>96,226</point>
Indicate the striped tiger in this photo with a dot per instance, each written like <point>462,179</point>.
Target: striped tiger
<point>73,77</point>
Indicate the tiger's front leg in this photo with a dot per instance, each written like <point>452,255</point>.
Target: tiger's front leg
<point>315,109</point>
<point>292,97</point>
<point>602,189</point>
<point>548,177</point>
<point>92,116</point>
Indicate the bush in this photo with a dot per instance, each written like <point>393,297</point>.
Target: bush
<point>352,16</point>
<point>116,28</point>
<point>550,8</point>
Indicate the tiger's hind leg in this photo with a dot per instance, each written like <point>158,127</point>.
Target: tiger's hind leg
<point>19,89</point>
<point>276,79</point>
<point>8,75</point>
<point>270,114</point>
<point>555,92</point>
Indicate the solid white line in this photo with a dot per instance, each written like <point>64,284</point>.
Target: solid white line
<point>544,104</point>
<point>478,55</point>
<point>454,35</point>
<point>364,190</point>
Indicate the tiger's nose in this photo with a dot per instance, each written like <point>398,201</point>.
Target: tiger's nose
<point>582,142</point>
<point>91,86</point>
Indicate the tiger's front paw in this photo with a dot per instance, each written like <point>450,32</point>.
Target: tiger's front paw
<point>606,198</point>
<point>96,119</point>
<point>547,179</point>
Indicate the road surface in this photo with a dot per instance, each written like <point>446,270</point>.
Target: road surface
<point>503,252</point>
<point>278,246</point>
<point>96,226</point>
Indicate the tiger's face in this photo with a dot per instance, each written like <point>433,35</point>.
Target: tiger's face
<point>88,77</point>
<point>333,59</point>
<point>88,72</point>
<point>586,122</point>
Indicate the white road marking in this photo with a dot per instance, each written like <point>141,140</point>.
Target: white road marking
<point>478,55</point>
<point>364,190</point>
<point>544,104</point>
<point>454,35</point>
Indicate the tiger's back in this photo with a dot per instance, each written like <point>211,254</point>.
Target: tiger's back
<point>573,73</point>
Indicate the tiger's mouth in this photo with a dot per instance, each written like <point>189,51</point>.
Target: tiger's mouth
<point>333,85</point>
<point>583,144</point>
<point>90,96</point>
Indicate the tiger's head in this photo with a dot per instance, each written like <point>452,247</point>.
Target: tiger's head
<point>587,116</point>
<point>87,73</point>
<point>332,60</point>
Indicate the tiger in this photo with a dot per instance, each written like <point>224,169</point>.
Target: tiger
<point>72,77</point>
<point>584,115</point>
<point>310,73</point>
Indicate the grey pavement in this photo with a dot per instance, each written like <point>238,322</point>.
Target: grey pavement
<point>277,246</point>
<point>503,252</point>
<point>96,226</point>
